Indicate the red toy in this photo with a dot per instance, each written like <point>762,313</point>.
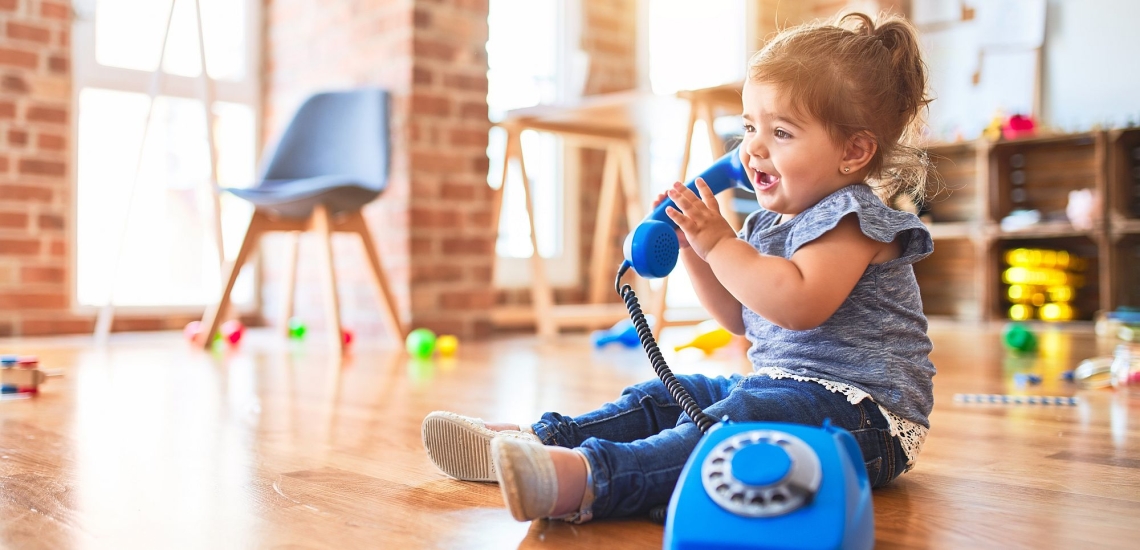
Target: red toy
<point>347,336</point>
<point>232,331</point>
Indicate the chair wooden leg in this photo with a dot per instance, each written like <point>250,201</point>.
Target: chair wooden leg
<point>321,223</point>
<point>356,223</point>
<point>289,288</point>
<point>212,319</point>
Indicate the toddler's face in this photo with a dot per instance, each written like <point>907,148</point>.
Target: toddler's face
<point>790,159</point>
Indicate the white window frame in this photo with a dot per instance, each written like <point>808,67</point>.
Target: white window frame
<point>562,270</point>
<point>87,72</point>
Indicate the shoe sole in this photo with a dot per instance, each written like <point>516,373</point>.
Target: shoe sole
<point>458,449</point>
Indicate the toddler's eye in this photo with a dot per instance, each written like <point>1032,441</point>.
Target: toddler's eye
<point>780,133</point>
<point>748,128</point>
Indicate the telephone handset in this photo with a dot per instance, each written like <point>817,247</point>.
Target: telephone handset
<point>652,247</point>
<point>749,484</point>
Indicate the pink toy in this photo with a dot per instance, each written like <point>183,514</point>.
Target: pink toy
<point>192,331</point>
<point>347,336</point>
<point>232,331</point>
<point>1018,126</point>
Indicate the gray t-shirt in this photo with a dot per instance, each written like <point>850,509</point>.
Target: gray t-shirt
<point>876,341</point>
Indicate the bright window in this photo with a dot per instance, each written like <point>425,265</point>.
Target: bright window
<point>690,45</point>
<point>527,65</point>
<point>169,252</point>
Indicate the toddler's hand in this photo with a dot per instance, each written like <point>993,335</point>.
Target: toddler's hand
<point>680,234</point>
<point>699,218</point>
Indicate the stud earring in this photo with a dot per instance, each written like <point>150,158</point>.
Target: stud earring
<point>846,169</point>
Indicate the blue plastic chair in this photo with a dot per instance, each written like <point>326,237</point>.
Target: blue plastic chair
<point>331,160</point>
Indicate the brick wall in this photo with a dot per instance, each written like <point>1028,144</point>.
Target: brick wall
<point>432,225</point>
<point>35,165</point>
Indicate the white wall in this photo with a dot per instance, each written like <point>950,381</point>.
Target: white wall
<point>1092,68</point>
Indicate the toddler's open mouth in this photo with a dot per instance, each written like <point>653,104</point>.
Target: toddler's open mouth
<point>765,181</point>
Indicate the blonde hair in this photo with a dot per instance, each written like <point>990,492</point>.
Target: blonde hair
<point>856,77</point>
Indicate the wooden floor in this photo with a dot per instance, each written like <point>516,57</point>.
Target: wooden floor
<point>152,444</point>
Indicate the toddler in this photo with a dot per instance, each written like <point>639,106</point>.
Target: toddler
<point>820,281</point>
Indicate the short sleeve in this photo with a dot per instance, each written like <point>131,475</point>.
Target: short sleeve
<point>876,220</point>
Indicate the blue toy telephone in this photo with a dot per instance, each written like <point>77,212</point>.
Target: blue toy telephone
<point>752,484</point>
<point>652,247</point>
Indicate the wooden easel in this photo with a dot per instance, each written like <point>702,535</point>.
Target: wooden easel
<point>607,122</point>
<point>107,311</point>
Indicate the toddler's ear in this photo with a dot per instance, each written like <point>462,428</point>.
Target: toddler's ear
<point>859,150</point>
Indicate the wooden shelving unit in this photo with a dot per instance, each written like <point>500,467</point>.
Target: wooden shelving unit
<point>979,183</point>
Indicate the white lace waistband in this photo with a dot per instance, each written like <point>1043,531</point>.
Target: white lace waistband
<point>910,434</point>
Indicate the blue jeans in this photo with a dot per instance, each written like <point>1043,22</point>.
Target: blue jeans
<point>637,445</point>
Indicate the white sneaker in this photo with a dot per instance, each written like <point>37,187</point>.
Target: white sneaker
<point>460,446</point>
<point>526,477</point>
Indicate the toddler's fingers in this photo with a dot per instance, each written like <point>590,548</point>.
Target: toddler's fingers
<point>707,195</point>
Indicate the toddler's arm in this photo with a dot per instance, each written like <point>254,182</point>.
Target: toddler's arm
<point>802,292</point>
<point>798,293</point>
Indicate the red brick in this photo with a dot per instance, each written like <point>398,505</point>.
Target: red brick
<point>475,111</point>
<point>47,114</point>
<point>3,165</point>
<point>18,58</point>
<point>457,191</point>
<point>437,273</point>
<point>25,193</point>
<point>421,19</point>
<point>17,137</point>
<point>421,75</point>
<point>466,82</point>
<point>433,49</point>
<point>58,248</point>
<point>42,167</point>
<point>51,141</point>
<point>13,83</point>
<point>42,327</point>
<point>33,274</point>
<point>468,246</point>
<point>9,5</point>
<point>25,300</point>
<point>13,220</point>
<point>65,38</point>
<point>59,64</point>
<point>424,104</point>
<point>19,247</point>
<point>471,138</point>
<point>33,33</point>
<point>471,299</point>
<point>51,221</point>
<point>53,10</point>
<point>7,109</point>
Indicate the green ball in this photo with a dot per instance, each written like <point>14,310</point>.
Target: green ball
<point>420,343</point>
<point>296,328</point>
<point>1019,338</point>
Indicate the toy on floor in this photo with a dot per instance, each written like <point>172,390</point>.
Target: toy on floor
<point>789,485</point>
<point>420,343</point>
<point>1018,338</point>
<point>1023,378</point>
<point>623,332</point>
<point>447,344</point>
<point>21,376</point>
<point>232,331</point>
<point>296,328</point>
<point>1001,399</point>
<point>710,337</point>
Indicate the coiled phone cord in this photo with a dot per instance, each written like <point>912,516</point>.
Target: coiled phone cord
<point>703,420</point>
